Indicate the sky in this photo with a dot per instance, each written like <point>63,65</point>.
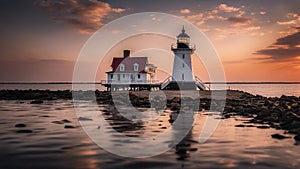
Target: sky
<point>256,40</point>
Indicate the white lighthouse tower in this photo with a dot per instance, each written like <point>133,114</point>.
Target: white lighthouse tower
<point>182,76</point>
<point>182,68</point>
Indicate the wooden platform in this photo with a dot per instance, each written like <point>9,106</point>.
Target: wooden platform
<point>132,87</point>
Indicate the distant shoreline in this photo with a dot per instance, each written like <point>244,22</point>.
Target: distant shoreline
<point>100,83</point>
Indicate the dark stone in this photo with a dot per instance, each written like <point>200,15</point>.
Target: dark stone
<point>24,131</point>
<point>69,127</point>
<point>240,125</point>
<point>193,149</point>
<point>226,116</point>
<point>279,136</point>
<point>263,127</point>
<point>20,125</point>
<point>297,137</point>
<point>84,119</point>
<point>57,122</point>
<point>66,121</point>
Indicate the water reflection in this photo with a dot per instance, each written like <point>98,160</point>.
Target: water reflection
<point>57,147</point>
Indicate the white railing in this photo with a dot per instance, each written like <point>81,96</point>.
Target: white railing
<point>129,81</point>
<point>166,82</point>
<point>200,84</point>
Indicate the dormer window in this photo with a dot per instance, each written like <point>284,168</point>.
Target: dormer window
<point>122,67</point>
<point>136,67</point>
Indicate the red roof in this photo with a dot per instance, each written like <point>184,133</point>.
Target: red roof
<point>129,62</point>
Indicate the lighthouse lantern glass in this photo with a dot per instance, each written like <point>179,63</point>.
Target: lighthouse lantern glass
<point>184,40</point>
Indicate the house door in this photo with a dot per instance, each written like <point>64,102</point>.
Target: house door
<point>131,77</point>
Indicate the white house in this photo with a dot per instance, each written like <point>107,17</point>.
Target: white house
<point>130,70</point>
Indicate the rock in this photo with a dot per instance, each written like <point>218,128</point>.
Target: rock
<point>57,122</point>
<point>297,137</point>
<point>37,102</point>
<point>226,116</point>
<point>240,125</point>
<point>279,136</point>
<point>263,127</point>
<point>84,119</point>
<point>24,131</point>
<point>20,125</point>
<point>66,121</point>
<point>61,122</point>
<point>69,127</point>
<point>193,149</point>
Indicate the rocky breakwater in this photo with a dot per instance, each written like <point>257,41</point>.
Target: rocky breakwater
<point>280,113</point>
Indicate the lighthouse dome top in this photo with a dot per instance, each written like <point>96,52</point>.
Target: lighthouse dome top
<point>183,34</point>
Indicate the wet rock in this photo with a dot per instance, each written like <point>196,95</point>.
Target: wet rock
<point>37,102</point>
<point>57,122</point>
<point>226,116</point>
<point>279,136</point>
<point>193,149</point>
<point>263,127</point>
<point>45,116</point>
<point>84,119</point>
<point>69,127</point>
<point>240,125</point>
<point>24,131</point>
<point>297,137</point>
<point>66,121</point>
<point>20,125</point>
<point>61,121</point>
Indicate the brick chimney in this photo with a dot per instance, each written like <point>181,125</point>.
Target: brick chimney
<point>126,53</point>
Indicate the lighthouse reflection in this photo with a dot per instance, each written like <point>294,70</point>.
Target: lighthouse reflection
<point>185,147</point>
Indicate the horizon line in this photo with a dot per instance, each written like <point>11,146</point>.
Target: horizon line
<point>230,82</point>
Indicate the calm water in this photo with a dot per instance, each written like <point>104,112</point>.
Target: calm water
<point>50,145</point>
<point>268,90</point>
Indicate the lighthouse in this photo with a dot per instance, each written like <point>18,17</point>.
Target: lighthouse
<point>182,76</point>
<point>182,68</point>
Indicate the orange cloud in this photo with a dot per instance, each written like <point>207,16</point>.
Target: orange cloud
<point>86,16</point>
<point>262,12</point>
<point>251,28</point>
<point>197,18</point>
<point>286,22</point>
<point>294,19</point>
<point>226,8</point>
<point>185,11</point>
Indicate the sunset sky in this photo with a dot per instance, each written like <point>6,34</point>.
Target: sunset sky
<point>257,40</point>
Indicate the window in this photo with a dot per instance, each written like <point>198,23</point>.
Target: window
<point>182,76</point>
<point>123,76</point>
<point>122,67</point>
<point>183,56</point>
<point>183,65</point>
<point>139,76</point>
<point>135,67</point>
<point>111,76</point>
